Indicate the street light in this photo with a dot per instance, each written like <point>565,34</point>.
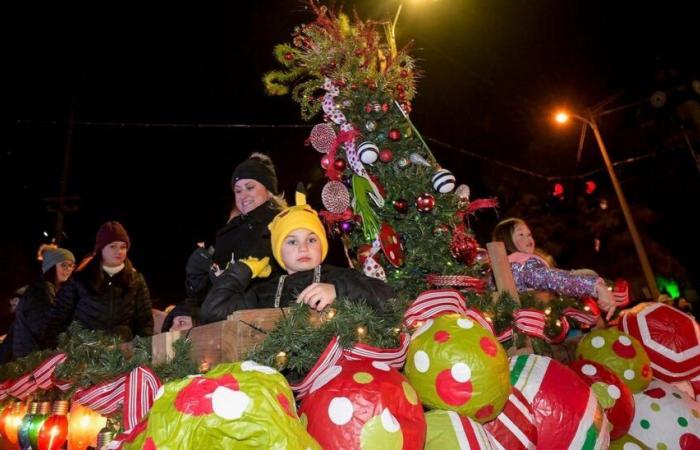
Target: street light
<point>563,117</point>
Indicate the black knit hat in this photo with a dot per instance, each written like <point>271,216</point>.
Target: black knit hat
<point>257,167</point>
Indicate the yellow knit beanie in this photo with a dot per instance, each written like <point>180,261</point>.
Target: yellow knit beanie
<point>299,216</point>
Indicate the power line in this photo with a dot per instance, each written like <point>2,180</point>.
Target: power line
<point>193,125</point>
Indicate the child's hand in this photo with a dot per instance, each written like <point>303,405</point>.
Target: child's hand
<point>606,302</point>
<point>260,267</point>
<point>317,295</point>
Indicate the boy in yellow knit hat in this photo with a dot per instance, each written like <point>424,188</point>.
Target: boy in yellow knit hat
<point>299,245</point>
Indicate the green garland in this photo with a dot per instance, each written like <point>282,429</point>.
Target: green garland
<point>95,357</point>
<point>295,344</point>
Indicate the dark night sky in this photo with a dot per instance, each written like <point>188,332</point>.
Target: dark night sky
<point>493,71</point>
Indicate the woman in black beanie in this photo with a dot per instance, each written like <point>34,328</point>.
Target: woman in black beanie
<point>256,202</point>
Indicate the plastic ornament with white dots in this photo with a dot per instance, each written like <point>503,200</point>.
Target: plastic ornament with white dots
<point>364,404</point>
<point>619,352</point>
<point>226,408</point>
<point>456,364</point>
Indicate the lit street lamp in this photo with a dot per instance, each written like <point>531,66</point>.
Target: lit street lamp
<point>563,117</point>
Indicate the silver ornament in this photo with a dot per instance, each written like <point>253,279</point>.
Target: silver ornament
<point>403,162</point>
<point>463,192</point>
<point>418,159</point>
<point>371,125</point>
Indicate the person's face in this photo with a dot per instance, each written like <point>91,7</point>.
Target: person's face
<point>64,269</point>
<point>249,195</point>
<point>114,254</point>
<point>301,250</point>
<point>522,238</point>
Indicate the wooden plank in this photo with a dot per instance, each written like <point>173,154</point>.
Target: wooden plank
<point>249,327</point>
<point>501,269</point>
<point>503,275</point>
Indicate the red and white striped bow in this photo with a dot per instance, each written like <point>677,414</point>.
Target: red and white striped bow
<point>532,322</point>
<point>434,303</point>
<point>621,293</point>
<point>134,391</point>
<point>394,357</point>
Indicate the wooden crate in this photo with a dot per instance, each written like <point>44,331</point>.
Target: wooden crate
<point>225,341</point>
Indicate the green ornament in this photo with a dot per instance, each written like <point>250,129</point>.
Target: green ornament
<point>456,364</point>
<point>619,352</point>
<point>240,405</point>
<point>446,430</point>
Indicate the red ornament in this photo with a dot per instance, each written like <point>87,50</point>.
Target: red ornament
<point>399,87</point>
<point>325,162</point>
<point>386,155</point>
<point>385,107</point>
<point>670,338</point>
<point>391,245</point>
<point>289,56</point>
<point>425,202</point>
<point>401,205</point>
<point>621,412</point>
<point>403,73</point>
<point>394,134</point>
<point>406,106</point>
<point>464,248</point>
<point>372,86</point>
<point>368,108</point>
<point>339,164</point>
<point>353,86</point>
<point>364,396</point>
<point>401,96</point>
<point>365,81</point>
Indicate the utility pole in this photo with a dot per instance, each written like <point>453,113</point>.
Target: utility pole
<point>62,206</point>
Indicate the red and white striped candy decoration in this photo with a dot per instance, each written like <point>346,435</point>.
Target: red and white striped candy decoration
<point>335,197</point>
<point>515,428</point>
<point>322,137</point>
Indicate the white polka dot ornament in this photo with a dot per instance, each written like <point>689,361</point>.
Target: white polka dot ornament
<point>448,430</point>
<point>612,394</point>
<point>368,152</point>
<point>444,181</point>
<point>365,405</point>
<point>666,418</point>
<point>567,413</point>
<point>226,408</point>
<point>456,364</point>
<point>619,352</point>
<point>670,337</point>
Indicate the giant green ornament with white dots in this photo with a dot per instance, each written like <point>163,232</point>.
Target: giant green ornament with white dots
<point>456,364</point>
<point>619,352</point>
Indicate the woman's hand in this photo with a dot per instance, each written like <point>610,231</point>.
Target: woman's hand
<point>317,295</point>
<point>181,323</point>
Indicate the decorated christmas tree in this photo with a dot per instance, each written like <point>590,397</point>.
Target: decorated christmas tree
<point>396,208</point>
